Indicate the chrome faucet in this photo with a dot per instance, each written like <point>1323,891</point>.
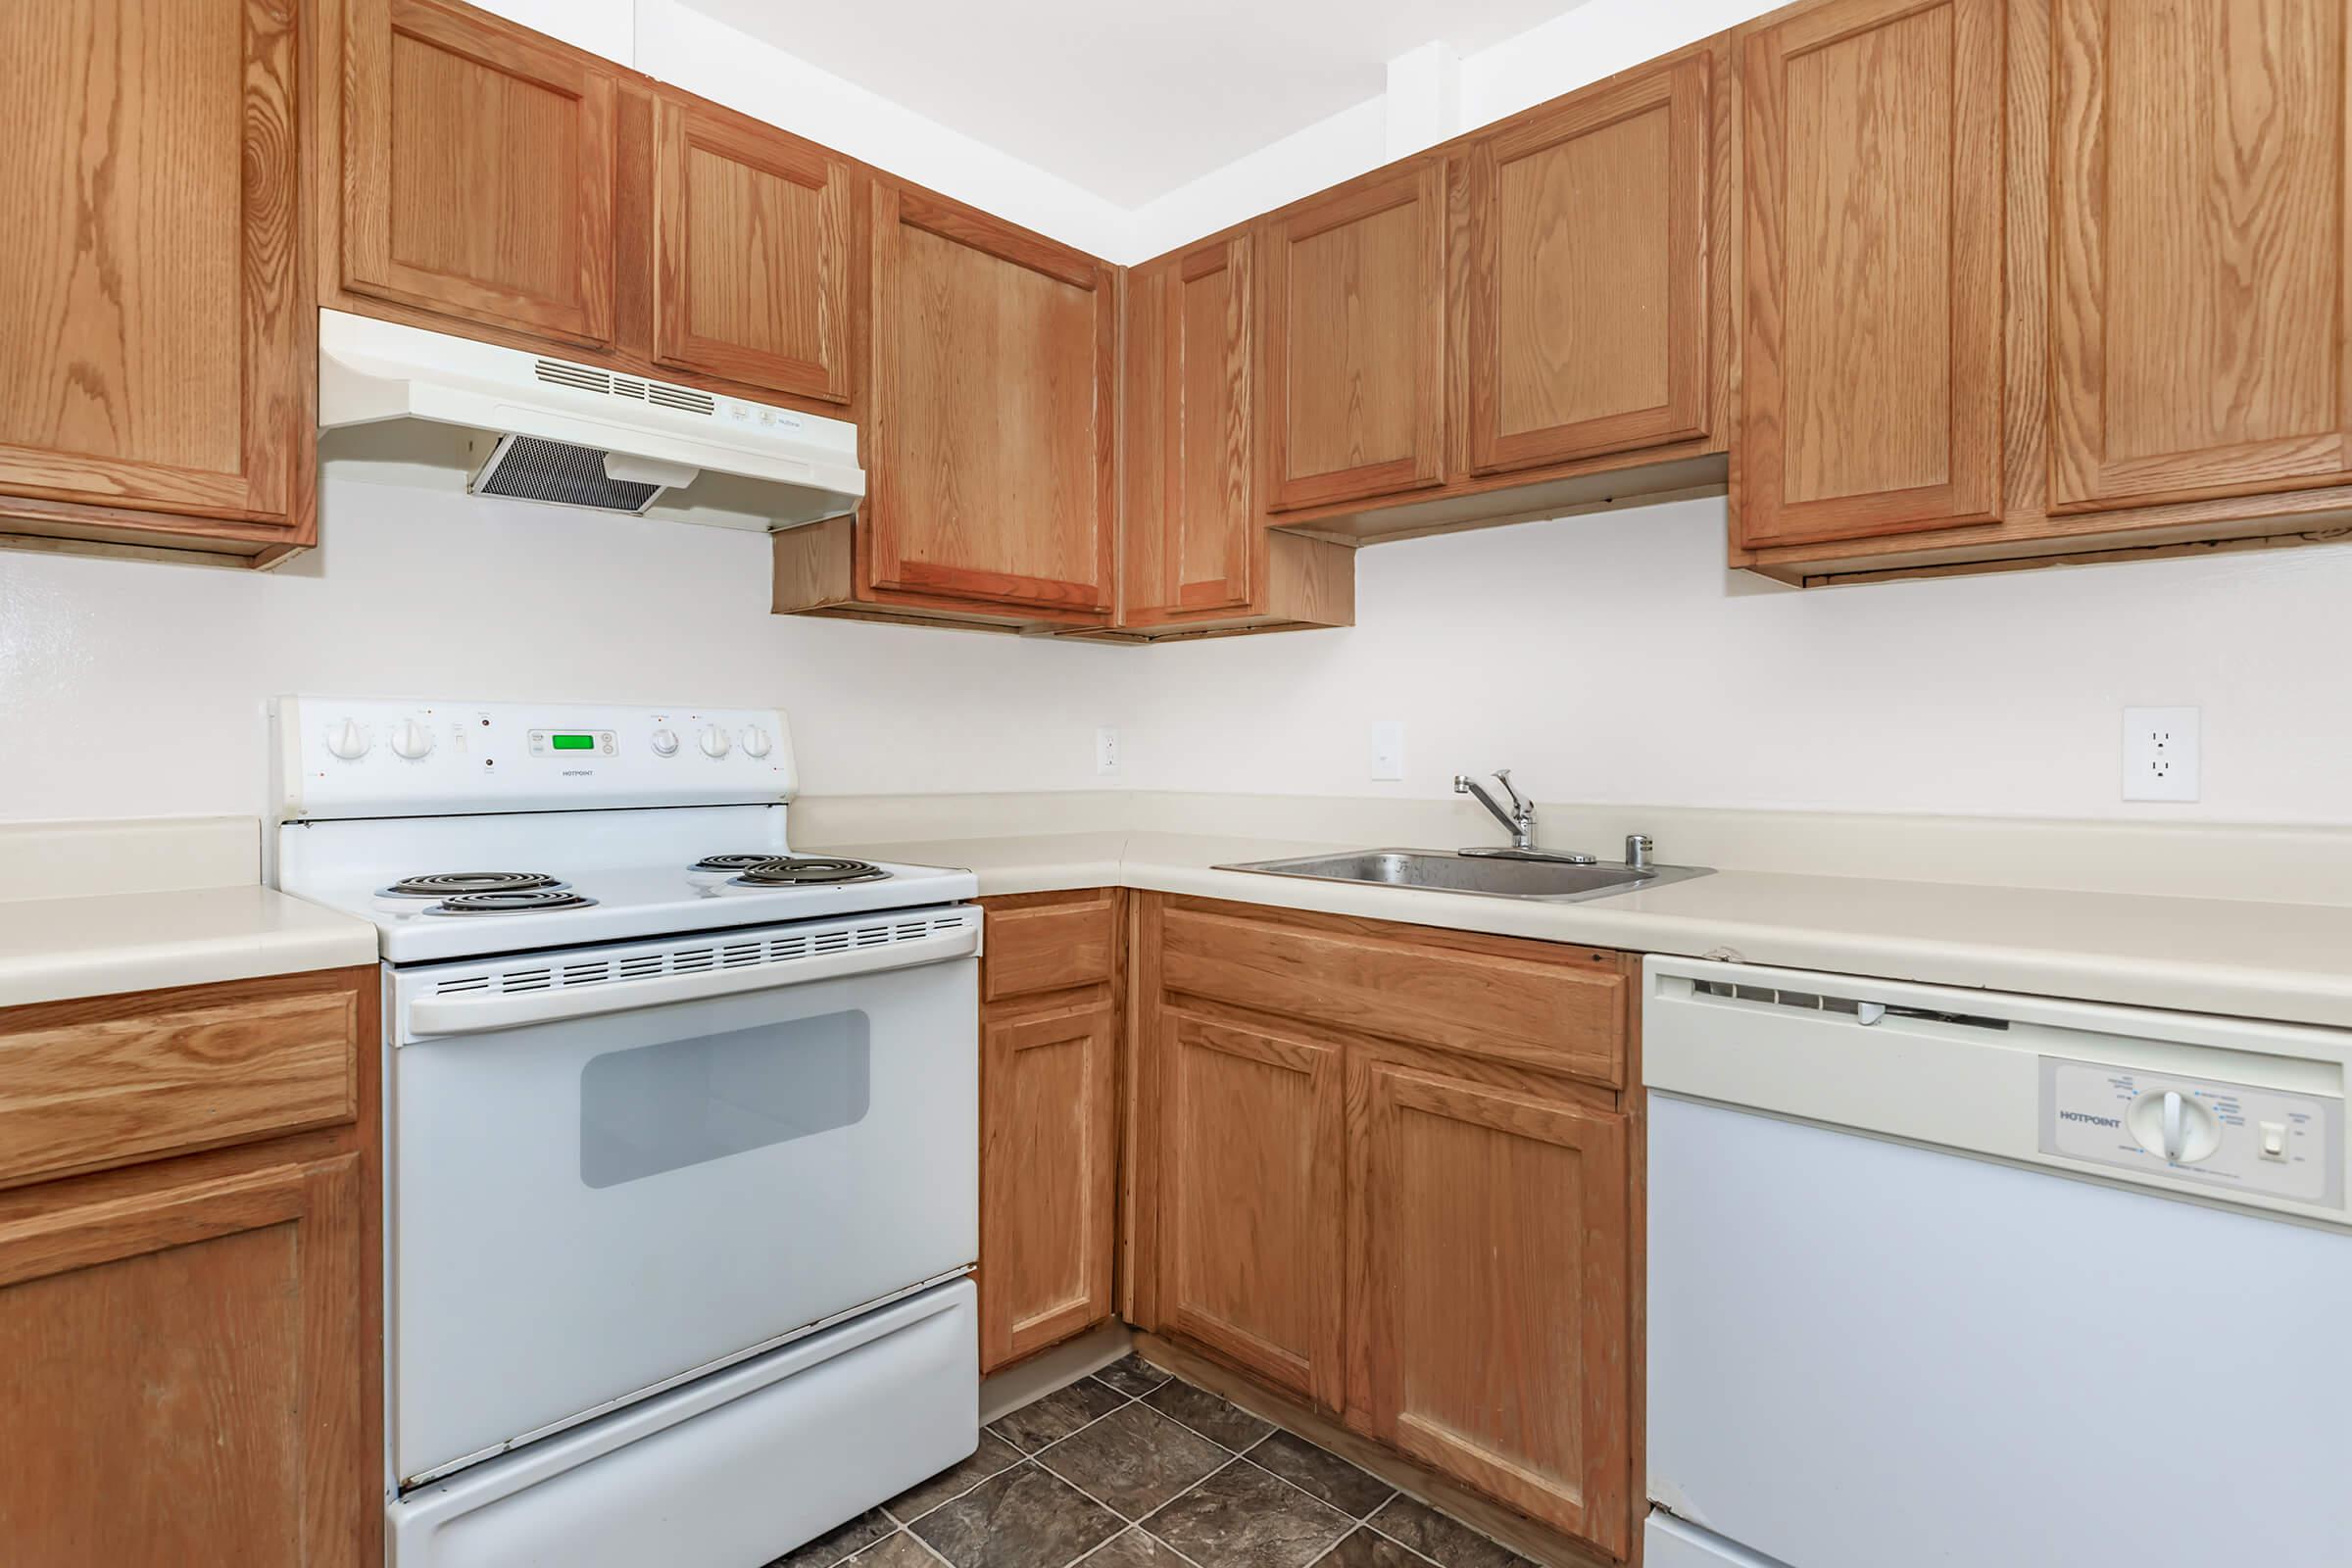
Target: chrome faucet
<point>1519,821</point>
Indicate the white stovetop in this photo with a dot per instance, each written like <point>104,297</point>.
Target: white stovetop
<point>636,864</point>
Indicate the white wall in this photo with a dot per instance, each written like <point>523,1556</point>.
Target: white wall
<point>132,689</point>
<point>1614,659</point>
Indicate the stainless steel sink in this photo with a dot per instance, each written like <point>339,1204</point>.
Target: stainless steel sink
<point>1494,876</point>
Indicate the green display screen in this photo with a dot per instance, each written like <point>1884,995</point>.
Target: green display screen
<point>572,743</point>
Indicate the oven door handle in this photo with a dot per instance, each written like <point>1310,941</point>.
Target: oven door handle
<point>485,1012</point>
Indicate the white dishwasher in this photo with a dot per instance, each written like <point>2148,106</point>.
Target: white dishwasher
<point>1945,1277</point>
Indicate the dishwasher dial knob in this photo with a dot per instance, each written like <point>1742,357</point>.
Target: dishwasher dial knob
<point>2175,1126</point>
<point>715,742</point>
<point>412,740</point>
<point>348,741</point>
<point>755,740</point>
<point>665,743</point>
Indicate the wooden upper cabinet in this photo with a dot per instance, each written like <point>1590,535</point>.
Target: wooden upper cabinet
<point>1497,1264</point>
<point>1252,1228</point>
<point>156,319</point>
<point>1872,345</point>
<point>2199,230</point>
<point>1354,322</point>
<point>1585,282</point>
<point>752,253</point>
<point>1192,527</point>
<point>990,432</point>
<point>479,164</point>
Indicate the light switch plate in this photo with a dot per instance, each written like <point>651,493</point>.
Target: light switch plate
<point>1388,750</point>
<point>2161,754</point>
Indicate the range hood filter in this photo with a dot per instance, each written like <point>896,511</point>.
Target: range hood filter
<point>526,467</point>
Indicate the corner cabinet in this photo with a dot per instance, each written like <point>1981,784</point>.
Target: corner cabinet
<point>1198,559</point>
<point>159,311</point>
<point>1392,1170</point>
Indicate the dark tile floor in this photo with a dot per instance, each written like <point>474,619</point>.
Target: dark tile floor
<point>1131,1468</point>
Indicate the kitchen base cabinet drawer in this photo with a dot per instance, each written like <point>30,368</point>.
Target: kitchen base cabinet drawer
<point>1049,942</point>
<point>1537,1003</point>
<point>116,1080</point>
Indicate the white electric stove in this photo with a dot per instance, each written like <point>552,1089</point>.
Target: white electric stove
<point>681,1130</point>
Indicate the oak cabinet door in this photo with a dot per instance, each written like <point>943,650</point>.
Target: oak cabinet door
<point>478,165</point>
<point>1251,1220</point>
<point>1496,1269</point>
<point>1048,1178</point>
<point>1873,330</point>
<point>184,1370</point>
<point>750,254</point>
<point>2198,224</point>
<point>1354,314</point>
<point>1586,281</point>
<point>990,431</point>
<point>157,321</point>
<point>1191,529</point>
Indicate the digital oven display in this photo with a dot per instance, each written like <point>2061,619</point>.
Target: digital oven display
<point>572,743</point>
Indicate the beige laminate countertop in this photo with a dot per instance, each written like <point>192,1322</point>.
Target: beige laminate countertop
<point>55,948</point>
<point>2286,961</point>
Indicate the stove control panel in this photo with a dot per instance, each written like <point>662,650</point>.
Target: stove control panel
<point>373,756</point>
<point>2232,1136</point>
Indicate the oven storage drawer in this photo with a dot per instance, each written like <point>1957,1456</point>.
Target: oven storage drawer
<point>738,1467</point>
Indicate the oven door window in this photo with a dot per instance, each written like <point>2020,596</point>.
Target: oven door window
<point>679,1103</point>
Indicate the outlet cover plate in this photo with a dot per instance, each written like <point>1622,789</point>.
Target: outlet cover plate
<point>2161,754</point>
<point>1106,751</point>
<point>1388,750</point>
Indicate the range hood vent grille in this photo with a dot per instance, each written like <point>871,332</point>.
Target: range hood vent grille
<point>528,469</point>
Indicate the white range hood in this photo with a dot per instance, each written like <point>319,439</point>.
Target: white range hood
<point>565,433</point>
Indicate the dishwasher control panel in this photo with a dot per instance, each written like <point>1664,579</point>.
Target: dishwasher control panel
<point>2236,1137</point>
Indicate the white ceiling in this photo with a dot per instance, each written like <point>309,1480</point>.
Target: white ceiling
<point>1127,101</point>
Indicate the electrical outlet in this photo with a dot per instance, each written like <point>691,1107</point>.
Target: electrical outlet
<point>1388,750</point>
<point>2160,754</point>
<point>1106,750</point>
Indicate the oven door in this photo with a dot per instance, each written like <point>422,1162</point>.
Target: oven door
<point>601,1190</point>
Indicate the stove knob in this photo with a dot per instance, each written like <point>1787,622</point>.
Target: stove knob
<point>755,740</point>
<point>348,741</point>
<point>665,743</point>
<point>715,742</point>
<point>412,740</point>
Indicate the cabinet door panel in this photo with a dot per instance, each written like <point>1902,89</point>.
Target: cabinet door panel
<point>188,1364</point>
<point>157,324</point>
<point>1210,522</point>
<point>477,170</point>
<point>1497,1277</point>
<point>1587,274</point>
<point>2198,228</point>
<point>1354,315</point>
<point>990,422</point>
<point>750,254</point>
<point>1047,1178</point>
<point>1252,1226</point>
<point>1873,349</point>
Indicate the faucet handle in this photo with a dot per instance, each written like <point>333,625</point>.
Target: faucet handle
<point>1503,777</point>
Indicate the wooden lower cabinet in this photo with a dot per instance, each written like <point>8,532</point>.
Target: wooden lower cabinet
<point>1252,1222</point>
<point>190,1348</point>
<point>1419,1216</point>
<point>1493,1229</point>
<point>1050,983</point>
